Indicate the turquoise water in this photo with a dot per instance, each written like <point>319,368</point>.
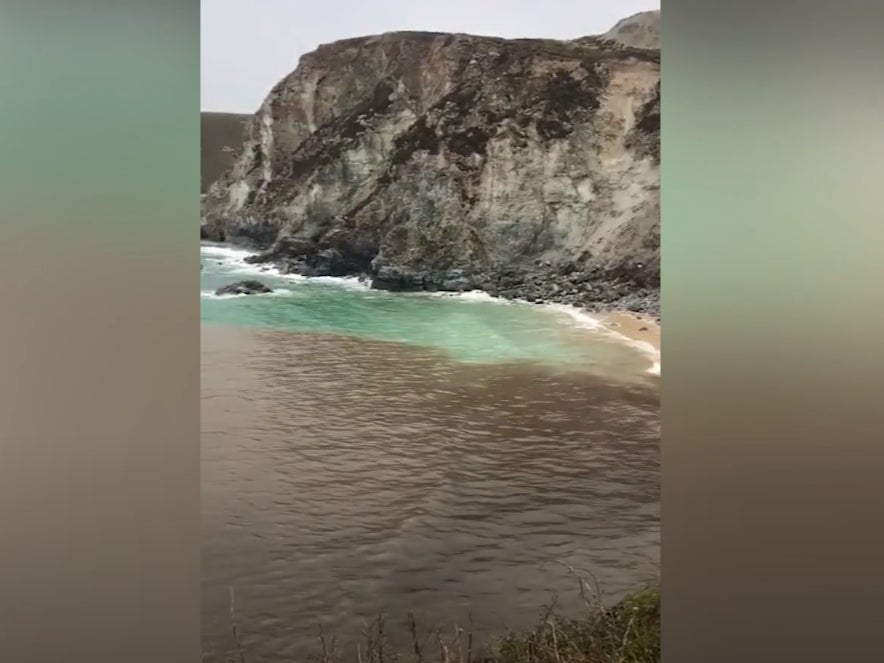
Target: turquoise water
<point>468,328</point>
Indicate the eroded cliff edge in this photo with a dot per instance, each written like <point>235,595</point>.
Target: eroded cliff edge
<point>525,168</point>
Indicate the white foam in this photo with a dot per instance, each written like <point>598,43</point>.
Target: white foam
<point>470,296</point>
<point>212,295</point>
<point>343,281</point>
<point>579,316</point>
<point>587,321</point>
<point>234,260</point>
<point>223,251</point>
<point>479,296</point>
<point>208,294</point>
<point>644,347</point>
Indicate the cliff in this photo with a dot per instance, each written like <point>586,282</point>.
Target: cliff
<point>527,168</point>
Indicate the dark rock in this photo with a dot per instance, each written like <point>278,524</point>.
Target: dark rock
<point>283,249</point>
<point>248,287</point>
<point>400,279</point>
<point>292,266</point>
<point>327,262</point>
<point>212,233</point>
<point>454,280</point>
<point>259,235</point>
<point>350,252</point>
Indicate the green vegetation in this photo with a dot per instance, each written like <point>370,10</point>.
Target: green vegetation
<point>628,632</point>
<point>591,49</point>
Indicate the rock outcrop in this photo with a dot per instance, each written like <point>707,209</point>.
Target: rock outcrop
<point>527,168</point>
<point>244,288</point>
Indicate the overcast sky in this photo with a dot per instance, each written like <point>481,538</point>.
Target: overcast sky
<point>247,46</point>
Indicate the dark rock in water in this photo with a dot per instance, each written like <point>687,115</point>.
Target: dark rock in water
<point>403,279</point>
<point>396,280</point>
<point>327,262</point>
<point>455,281</point>
<point>285,248</point>
<point>340,253</point>
<point>244,288</point>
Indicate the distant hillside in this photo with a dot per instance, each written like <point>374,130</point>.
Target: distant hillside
<point>640,30</point>
<point>219,131</point>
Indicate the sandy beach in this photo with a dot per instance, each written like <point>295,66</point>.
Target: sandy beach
<point>636,327</point>
<point>632,325</point>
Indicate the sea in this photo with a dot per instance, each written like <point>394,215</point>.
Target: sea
<point>455,458</point>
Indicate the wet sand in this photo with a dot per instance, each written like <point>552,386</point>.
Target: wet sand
<point>632,325</point>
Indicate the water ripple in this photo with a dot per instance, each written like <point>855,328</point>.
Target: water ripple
<point>345,476</point>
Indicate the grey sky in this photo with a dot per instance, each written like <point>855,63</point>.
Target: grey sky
<point>247,46</point>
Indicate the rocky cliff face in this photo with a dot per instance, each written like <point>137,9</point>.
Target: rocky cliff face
<point>526,168</point>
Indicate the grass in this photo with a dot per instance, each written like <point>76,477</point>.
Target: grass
<point>627,632</point>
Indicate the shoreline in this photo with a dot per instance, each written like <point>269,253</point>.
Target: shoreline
<point>635,326</point>
<point>638,328</point>
<point>641,330</point>
<point>641,303</point>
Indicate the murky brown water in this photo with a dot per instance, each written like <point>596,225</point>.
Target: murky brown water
<point>342,477</point>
